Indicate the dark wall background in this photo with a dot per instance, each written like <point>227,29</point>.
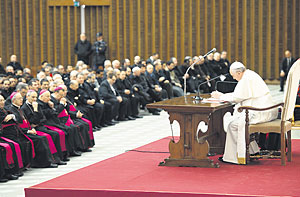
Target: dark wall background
<point>256,32</point>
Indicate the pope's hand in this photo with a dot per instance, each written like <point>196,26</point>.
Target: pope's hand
<point>216,94</point>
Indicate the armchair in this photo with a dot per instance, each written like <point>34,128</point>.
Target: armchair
<point>282,126</point>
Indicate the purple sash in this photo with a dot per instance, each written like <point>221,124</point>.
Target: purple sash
<point>50,141</point>
<point>72,108</point>
<point>64,114</point>
<point>25,125</point>
<point>18,151</point>
<point>62,136</point>
<point>91,128</point>
<point>9,153</point>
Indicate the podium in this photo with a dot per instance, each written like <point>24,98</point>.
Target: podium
<point>195,141</point>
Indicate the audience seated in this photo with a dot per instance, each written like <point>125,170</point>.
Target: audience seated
<point>52,117</point>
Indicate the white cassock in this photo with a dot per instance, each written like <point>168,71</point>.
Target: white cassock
<point>252,91</point>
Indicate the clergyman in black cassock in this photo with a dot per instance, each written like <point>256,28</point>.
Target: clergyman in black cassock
<point>37,119</point>
<point>43,156</point>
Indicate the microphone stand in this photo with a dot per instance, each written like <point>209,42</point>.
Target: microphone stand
<point>209,52</point>
<point>198,97</point>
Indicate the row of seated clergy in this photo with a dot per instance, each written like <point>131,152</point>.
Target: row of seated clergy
<point>203,71</point>
<point>46,135</point>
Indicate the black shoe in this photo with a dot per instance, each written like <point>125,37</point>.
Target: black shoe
<point>62,163</point>
<point>11,177</point>
<point>255,154</point>
<point>264,152</point>
<point>110,123</point>
<point>130,118</point>
<point>3,180</point>
<point>281,90</point>
<point>155,113</point>
<point>103,125</point>
<point>53,165</point>
<point>76,153</point>
<point>66,159</point>
<point>122,119</point>
<point>114,121</point>
<point>19,174</point>
<point>87,150</point>
<point>97,127</point>
<point>137,116</point>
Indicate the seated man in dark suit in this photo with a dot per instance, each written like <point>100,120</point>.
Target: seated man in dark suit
<point>124,87</point>
<point>110,94</point>
<point>155,90</point>
<point>91,101</point>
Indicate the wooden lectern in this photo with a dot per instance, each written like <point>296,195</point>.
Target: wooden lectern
<point>194,144</point>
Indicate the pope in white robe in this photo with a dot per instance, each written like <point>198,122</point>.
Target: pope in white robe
<point>252,91</point>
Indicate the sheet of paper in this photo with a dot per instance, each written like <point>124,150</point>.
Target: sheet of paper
<point>212,100</point>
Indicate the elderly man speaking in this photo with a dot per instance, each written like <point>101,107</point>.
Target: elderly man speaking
<point>252,91</point>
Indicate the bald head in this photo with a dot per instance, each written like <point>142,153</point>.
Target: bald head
<point>82,37</point>
<point>287,54</point>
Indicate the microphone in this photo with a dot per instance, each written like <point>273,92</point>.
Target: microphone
<point>209,52</point>
<point>198,97</point>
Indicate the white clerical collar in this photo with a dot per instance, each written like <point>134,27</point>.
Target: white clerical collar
<point>16,106</point>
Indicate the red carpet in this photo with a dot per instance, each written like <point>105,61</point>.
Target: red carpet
<point>138,174</point>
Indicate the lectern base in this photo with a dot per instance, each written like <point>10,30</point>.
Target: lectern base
<point>206,163</point>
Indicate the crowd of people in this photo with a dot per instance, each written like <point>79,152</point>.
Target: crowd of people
<point>50,117</point>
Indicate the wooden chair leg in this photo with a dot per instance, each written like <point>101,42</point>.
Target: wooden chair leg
<point>283,149</point>
<point>289,146</point>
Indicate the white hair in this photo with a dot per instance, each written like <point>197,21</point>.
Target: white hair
<point>115,63</point>
<point>136,69</point>
<point>56,76</point>
<point>73,73</point>
<point>79,63</point>
<point>107,62</point>
<point>237,67</point>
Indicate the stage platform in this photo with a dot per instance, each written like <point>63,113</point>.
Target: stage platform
<point>138,174</point>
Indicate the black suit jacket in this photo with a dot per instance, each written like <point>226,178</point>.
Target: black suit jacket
<point>106,92</point>
<point>2,70</point>
<point>284,65</point>
<point>15,65</point>
<point>33,117</point>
